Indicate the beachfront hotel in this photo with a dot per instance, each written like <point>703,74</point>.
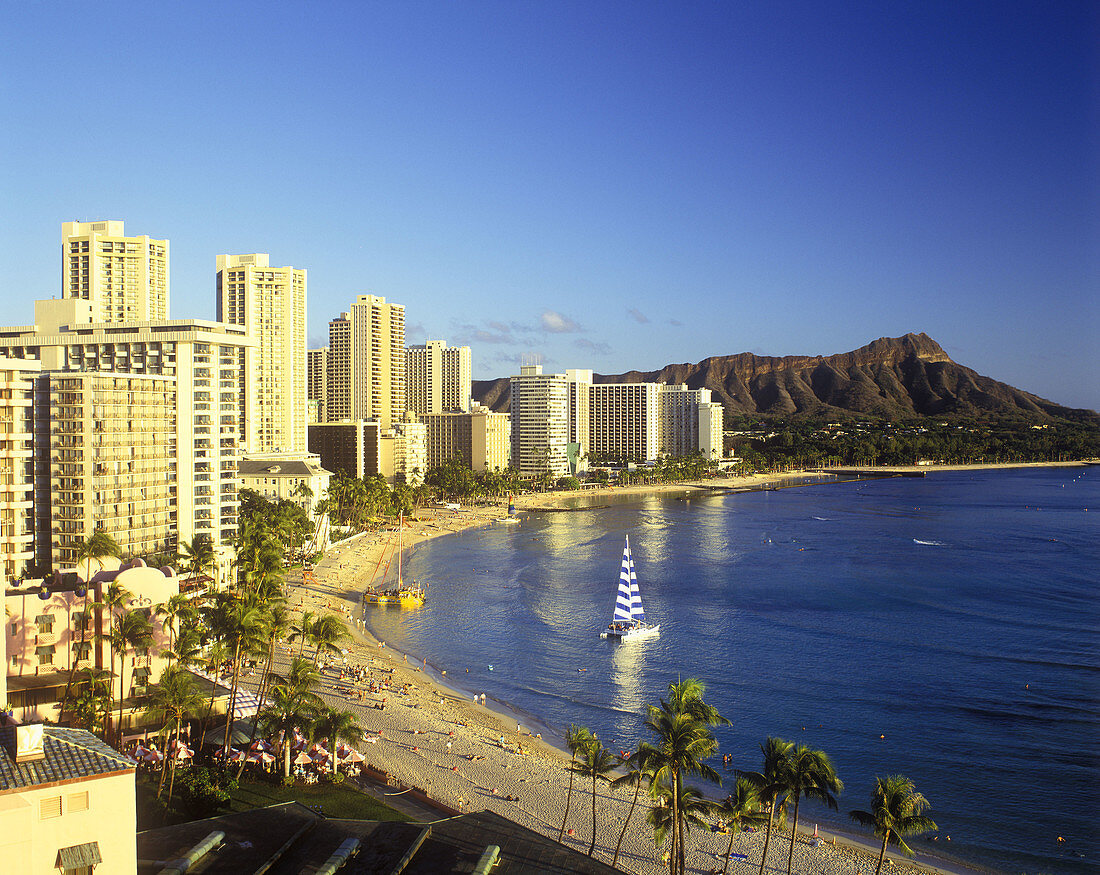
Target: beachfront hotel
<point>270,304</point>
<point>363,448</point>
<point>480,438</point>
<point>125,279</point>
<point>540,422</point>
<point>16,466</point>
<point>437,378</point>
<point>558,419</point>
<point>201,360</point>
<point>365,371</point>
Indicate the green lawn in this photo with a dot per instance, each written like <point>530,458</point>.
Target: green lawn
<point>331,800</point>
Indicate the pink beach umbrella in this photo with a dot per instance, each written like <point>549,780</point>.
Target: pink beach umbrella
<point>153,756</point>
<point>235,756</point>
<point>302,759</point>
<point>260,744</point>
<point>354,757</point>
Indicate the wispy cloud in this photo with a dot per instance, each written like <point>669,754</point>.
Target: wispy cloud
<point>676,322</point>
<point>556,323</point>
<point>637,316</point>
<point>591,346</point>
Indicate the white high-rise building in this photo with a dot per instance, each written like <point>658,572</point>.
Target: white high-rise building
<point>366,363</point>
<point>437,378</point>
<point>623,421</point>
<point>689,422</point>
<point>203,360</point>
<point>270,302</point>
<point>540,422</point>
<point>124,278</point>
<point>16,466</point>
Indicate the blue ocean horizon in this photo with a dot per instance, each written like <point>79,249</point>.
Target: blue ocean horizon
<point>944,628</point>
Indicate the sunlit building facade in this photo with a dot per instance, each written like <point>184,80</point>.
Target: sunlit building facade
<point>125,279</point>
<point>270,303</point>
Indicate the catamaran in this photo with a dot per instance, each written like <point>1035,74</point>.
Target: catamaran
<point>628,622</point>
<point>402,595</point>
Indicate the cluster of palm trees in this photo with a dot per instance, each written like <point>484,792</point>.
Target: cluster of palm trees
<point>682,741</point>
<point>221,631</point>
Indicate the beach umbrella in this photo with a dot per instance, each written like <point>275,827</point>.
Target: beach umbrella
<point>139,752</point>
<point>235,756</point>
<point>302,759</point>
<point>153,756</point>
<point>260,744</point>
<point>353,756</point>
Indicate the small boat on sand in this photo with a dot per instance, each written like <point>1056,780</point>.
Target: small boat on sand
<point>628,622</point>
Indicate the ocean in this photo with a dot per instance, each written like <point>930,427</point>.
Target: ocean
<point>944,628</point>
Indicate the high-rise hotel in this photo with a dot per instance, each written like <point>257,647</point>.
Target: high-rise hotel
<point>365,363</point>
<point>437,378</point>
<point>124,278</point>
<point>270,304</point>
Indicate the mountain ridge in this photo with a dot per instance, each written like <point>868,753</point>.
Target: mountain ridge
<point>891,377</point>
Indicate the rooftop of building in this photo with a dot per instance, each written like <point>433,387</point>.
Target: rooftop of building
<point>290,838</point>
<point>70,755</point>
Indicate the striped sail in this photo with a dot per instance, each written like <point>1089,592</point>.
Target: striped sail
<point>628,603</point>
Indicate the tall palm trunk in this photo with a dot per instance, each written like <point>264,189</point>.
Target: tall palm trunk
<point>629,814</point>
<point>121,694</point>
<point>568,799</point>
<point>680,822</point>
<point>794,834</point>
<point>767,836</point>
<point>232,700</point>
<point>592,846</point>
<point>172,780</point>
<point>882,853</point>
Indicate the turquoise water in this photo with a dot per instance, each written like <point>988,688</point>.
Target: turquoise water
<point>944,628</point>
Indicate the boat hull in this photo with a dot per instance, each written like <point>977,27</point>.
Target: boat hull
<point>638,633</point>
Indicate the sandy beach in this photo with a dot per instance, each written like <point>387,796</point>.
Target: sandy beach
<point>471,757</point>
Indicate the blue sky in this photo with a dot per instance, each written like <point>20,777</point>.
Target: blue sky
<point>607,185</point>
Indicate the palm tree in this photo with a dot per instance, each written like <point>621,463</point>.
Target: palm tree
<point>130,631</point>
<point>198,555</point>
<point>810,774</point>
<point>173,698</point>
<point>292,703</point>
<point>740,809</point>
<point>897,810</point>
<point>326,633</point>
<point>683,741</point>
<point>93,698</point>
<point>337,725</point>
<point>595,762</point>
<point>302,631</point>
<point>637,773</point>
<point>770,782</point>
<point>576,739</point>
<point>176,611</point>
<point>98,545</point>
<point>676,812</point>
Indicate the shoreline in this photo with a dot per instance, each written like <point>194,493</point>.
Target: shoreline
<point>503,766</point>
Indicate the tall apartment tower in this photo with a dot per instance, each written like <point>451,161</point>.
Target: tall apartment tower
<point>317,381</point>
<point>540,422</point>
<point>366,363</point>
<point>17,379</point>
<point>437,378</point>
<point>270,302</point>
<point>124,278</point>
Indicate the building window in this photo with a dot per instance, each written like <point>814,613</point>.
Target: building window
<point>77,801</point>
<point>45,654</point>
<point>49,807</point>
<point>44,622</point>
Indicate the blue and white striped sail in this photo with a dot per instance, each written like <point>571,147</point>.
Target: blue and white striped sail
<point>628,603</point>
